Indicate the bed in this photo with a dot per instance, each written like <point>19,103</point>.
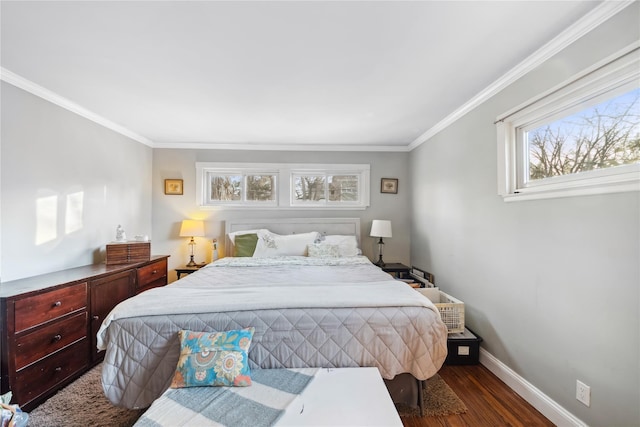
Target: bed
<point>307,311</point>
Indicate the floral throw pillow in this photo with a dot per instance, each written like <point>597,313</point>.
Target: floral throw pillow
<point>213,359</point>
<point>321,250</point>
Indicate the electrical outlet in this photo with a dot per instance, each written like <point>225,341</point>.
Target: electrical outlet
<point>583,393</point>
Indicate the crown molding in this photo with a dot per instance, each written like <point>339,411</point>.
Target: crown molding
<point>597,16</point>
<point>279,147</point>
<point>67,104</point>
<point>31,87</point>
<point>587,23</point>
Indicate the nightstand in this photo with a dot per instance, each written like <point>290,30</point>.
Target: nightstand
<point>188,270</point>
<point>397,270</point>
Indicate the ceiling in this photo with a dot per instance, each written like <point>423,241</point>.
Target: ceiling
<point>277,75</point>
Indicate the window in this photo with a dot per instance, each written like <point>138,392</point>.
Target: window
<point>237,187</point>
<point>580,138</point>
<point>326,189</point>
<point>283,186</point>
<point>309,188</point>
<point>261,188</point>
<point>225,187</point>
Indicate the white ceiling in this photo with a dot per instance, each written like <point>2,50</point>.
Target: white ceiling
<point>276,75</point>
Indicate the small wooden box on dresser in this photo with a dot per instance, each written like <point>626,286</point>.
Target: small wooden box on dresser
<point>49,323</point>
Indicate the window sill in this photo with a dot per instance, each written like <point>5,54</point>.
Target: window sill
<point>584,190</point>
<point>282,208</point>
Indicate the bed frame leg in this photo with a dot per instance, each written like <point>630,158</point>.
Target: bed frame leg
<point>402,389</point>
<point>421,396</point>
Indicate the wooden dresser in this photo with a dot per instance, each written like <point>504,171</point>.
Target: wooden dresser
<point>49,323</point>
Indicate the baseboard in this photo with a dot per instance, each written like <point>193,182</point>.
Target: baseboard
<point>536,398</point>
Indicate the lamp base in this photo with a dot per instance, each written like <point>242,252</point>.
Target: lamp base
<point>191,263</point>
<point>380,262</point>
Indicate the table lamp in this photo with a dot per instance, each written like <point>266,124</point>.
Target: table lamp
<point>192,228</point>
<point>380,228</point>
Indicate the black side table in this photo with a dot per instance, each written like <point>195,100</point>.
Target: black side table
<point>188,270</point>
<point>397,270</point>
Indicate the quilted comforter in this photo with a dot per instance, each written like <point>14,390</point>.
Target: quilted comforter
<point>307,312</point>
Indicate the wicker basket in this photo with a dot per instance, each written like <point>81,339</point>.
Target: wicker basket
<point>451,309</point>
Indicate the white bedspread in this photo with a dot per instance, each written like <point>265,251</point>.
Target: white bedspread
<point>242,287</point>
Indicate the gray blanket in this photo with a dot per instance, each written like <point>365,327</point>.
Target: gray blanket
<point>403,335</point>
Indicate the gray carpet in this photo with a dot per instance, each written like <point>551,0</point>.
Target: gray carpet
<point>83,404</point>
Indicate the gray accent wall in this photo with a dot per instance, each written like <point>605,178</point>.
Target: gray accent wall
<point>169,211</point>
<point>66,183</point>
<point>551,285</point>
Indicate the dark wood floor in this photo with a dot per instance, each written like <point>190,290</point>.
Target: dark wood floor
<point>490,402</point>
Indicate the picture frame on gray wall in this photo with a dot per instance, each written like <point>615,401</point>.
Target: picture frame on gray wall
<point>389,185</point>
<point>173,187</point>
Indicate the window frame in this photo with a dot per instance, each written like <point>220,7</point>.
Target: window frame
<point>605,80</point>
<point>243,173</point>
<point>284,183</point>
<point>325,202</point>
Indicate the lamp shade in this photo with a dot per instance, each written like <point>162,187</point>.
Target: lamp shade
<point>380,228</point>
<point>192,228</point>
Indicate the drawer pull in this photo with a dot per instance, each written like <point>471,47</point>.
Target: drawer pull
<point>154,271</point>
<point>57,337</point>
<point>57,304</point>
<point>58,369</point>
<point>96,317</point>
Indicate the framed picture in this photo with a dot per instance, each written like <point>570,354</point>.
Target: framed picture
<point>173,186</point>
<point>389,185</point>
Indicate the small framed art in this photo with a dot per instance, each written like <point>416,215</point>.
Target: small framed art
<point>389,185</point>
<point>173,186</point>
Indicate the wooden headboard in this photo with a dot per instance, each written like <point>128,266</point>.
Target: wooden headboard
<point>326,226</point>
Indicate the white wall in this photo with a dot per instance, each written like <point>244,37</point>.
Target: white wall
<point>551,285</point>
<point>169,211</point>
<point>66,183</point>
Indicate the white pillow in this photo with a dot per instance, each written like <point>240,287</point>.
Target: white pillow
<point>348,245</point>
<point>272,245</point>
<point>232,236</point>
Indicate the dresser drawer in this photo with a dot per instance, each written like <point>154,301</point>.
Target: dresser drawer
<point>38,378</point>
<point>38,344</point>
<point>152,275</point>
<point>38,309</point>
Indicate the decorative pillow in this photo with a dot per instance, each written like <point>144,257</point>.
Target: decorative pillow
<point>323,250</point>
<point>213,359</point>
<point>348,244</point>
<point>245,244</point>
<point>232,236</point>
<point>273,245</point>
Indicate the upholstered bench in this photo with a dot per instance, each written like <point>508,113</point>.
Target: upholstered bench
<point>284,397</point>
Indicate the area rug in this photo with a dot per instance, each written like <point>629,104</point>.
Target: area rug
<point>439,400</point>
<point>83,404</point>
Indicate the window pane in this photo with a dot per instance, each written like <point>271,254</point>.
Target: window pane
<point>603,136</point>
<point>309,188</point>
<point>343,188</point>
<point>226,187</point>
<point>260,188</point>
